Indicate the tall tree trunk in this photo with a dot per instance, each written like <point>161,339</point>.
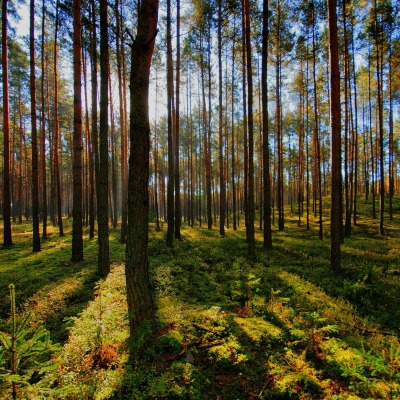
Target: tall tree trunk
<point>371,138</point>
<point>191,173</point>
<point>94,117</point>
<point>300,193</point>
<point>265,124</point>
<point>336,215</point>
<point>43,129</point>
<point>89,164</point>
<point>35,157</point>
<point>114,184</point>
<point>278,123</point>
<point>77,229</point>
<point>307,147</point>
<point>379,73</point>
<point>222,184</point>
<point>21,136</point>
<point>171,163</point>
<point>7,236</point>
<point>245,123</point>
<point>209,183</point>
<point>355,170</point>
<point>233,150</point>
<point>56,144</point>
<point>140,304</point>
<point>90,157</point>
<point>102,188</point>
<point>347,145</point>
<point>391,138</point>
<point>317,147</point>
<point>250,201</point>
<point>178,211</point>
<point>122,113</point>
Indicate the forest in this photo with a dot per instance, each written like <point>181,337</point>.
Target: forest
<point>200,199</point>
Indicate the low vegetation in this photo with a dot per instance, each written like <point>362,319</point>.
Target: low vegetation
<point>279,326</point>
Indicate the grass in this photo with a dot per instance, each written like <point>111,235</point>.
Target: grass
<point>278,326</point>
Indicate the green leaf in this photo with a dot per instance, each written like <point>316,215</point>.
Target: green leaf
<point>5,340</point>
<point>23,324</point>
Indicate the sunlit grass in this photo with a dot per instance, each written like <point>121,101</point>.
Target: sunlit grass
<point>276,326</point>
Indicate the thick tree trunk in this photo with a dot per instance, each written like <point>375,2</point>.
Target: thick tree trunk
<point>77,229</point>
<point>140,304</point>
<point>250,202</point>
<point>336,214</point>
<point>265,124</point>
<point>102,188</point>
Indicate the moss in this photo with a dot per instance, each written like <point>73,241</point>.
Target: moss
<point>257,329</point>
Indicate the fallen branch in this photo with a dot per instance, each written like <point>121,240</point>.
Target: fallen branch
<point>210,344</point>
<point>204,329</point>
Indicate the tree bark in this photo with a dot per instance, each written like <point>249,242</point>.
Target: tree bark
<point>94,117</point>
<point>35,157</point>
<point>171,159</point>
<point>250,202</point>
<point>178,211</point>
<point>43,131</point>
<point>379,73</point>
<point>140,304</point>
<point>7,238</point>
<point>102,188</point>
<point>222,183</point>
<point>336,214</point>
<point>56,144</point>
<point>124,135</point>
<point>77,229</point>
<point>233,149</point>
<point>265,124</point>
<point>317,147</point>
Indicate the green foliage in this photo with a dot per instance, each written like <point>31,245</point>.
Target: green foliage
<point>384,366</point>
<point>96,350</point>
<point>277,326</point>
<point>244,282</point>
<point>26,363</point>
<point>176,383</point>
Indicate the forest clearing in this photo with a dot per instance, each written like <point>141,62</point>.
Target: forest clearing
<point>276,326</point>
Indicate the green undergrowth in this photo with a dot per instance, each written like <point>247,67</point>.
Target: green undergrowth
<point>47,282</point>
<point>277,326</point>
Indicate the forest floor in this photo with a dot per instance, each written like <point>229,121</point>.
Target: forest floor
<point>277,326</point>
